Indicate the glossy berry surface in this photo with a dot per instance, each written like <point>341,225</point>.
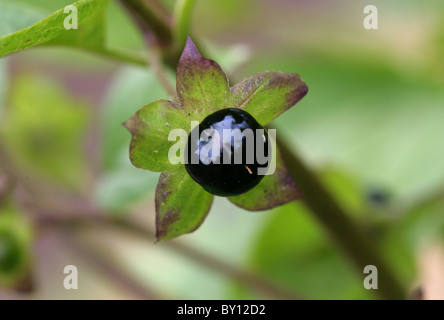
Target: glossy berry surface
<point>213,160</point>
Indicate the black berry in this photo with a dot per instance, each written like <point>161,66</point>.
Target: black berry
<point>234,166</point>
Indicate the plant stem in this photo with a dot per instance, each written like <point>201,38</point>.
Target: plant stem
<point>182,22</point>
<point>339,224</point>
<point>156,64</point>
<point>151,15</point>
<point>153,40</point>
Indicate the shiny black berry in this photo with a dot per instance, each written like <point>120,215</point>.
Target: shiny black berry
<point>227,154</point>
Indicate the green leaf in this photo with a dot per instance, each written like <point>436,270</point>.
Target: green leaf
<point>90,32</point>
<point>10,252</point>
<point>397,250</point>
<point>267,94</point>
<point>150,128</point>
<point>122,32</point>
<point>274,190</point>
<point>423,224</point>
<point>182,16</point>
<point>345,188</point>
<point>15,246</point>
<point>181,204</point>
<point>202,86</point>
<point>3,86</point>
<point>44,132</point>
<point>341,123</point>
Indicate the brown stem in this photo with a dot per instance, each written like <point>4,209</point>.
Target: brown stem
<point>153,20</point>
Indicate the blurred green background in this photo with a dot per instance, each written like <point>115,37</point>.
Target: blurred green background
<point>372,126</point>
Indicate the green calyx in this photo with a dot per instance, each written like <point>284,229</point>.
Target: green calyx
<point>202,89</point>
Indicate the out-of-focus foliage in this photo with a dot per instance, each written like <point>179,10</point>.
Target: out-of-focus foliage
<point>3,86</point>
<point>15,246</point>
<point>44,131</point>
<point>295,251</point>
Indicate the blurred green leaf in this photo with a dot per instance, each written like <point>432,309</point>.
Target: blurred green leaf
<point>363,115</point>
<point>230,58</point>
<point>45,6</point>
<point>15,16</point>
<point>182,17</point>
<point>398,253</point>
<point>294,251</point>
<point>3,86</point>
<point>405,235</point>
<point>124,185</point>
<point>10,255</point>
<point>15,246</point>
<point>234,11</point>
<point>345,188</point>
<point>422,224</point>
<point>91,32</point>
<point>121,32</point>
<point>44,131</point>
